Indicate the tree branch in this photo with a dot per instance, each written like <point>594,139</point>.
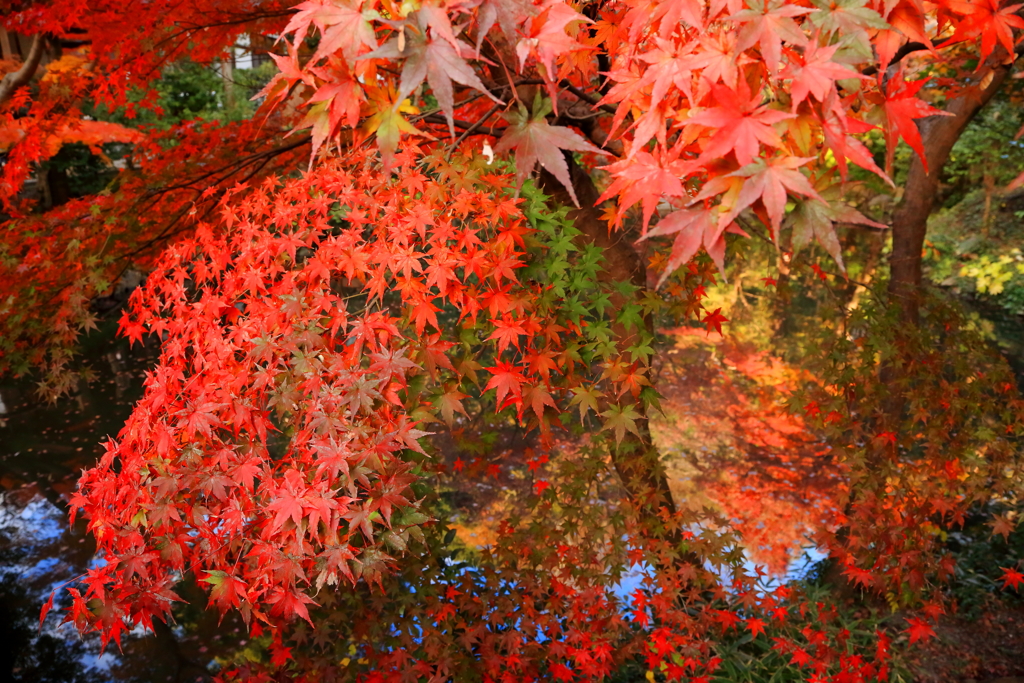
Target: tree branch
<point>14,80</point>
<point>476,128</point>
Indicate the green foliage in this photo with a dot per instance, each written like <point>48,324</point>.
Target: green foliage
<point>987,148</point>
<point>83,172</point>
<point>979,261</point>
<point>980,553</point>
<point>748,659</point>
<point>188,91</point>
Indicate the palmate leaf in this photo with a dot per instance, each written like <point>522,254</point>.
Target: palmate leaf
<point>534,140</point>
<point>814,219</point>
<point>621,419</point>
<point>438,59</point>
<point>387,121</point>
<point>901,107</point>
<point>509,15</point>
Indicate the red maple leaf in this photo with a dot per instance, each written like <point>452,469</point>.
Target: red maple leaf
<point>1011,577</point>
<point>901,108</point>
<point>919,629</point>
<point>994,25</point>
<point>741,123</point>
<point>507,381</point>
<point>767,23</point>
<point>713,321</point>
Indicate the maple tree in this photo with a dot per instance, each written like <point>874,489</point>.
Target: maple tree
<point>429,223</point>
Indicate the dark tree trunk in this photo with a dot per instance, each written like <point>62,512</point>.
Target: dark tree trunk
<point>910,222</point>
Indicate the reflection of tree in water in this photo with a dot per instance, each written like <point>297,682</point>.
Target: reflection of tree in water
<point>732,444</point>
<point>26,655</point>
<point>42,450</point>
<point>38,551</point>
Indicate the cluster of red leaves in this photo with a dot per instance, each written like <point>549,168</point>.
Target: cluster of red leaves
<point>719,108</point>
<point>914,473</point>
<point>307,310</point>
<point>257,322</point>
<point>81,249</point>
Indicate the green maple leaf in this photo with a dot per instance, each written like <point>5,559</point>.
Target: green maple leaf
<point>621,419</point>
<point>586,399</point>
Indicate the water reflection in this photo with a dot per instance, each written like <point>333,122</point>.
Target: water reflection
<point>43,448</point>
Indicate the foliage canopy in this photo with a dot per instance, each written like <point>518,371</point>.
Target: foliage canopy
<point>450,216</point>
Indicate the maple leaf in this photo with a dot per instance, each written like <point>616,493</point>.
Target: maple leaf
<point>769,180</point>
<point>290,603</point>
<point>318,120</point>
<point>740,123</point>
<point>837,127</point>
<point>674,12</point>
<point>507,331</point>
<point>506,380</point>
<point>343,27</point>
<point>289,73</point>
<point>227,591</point>
<point>343,94</point>
<point>647,178</point>
<point>586,399</point>
<point>901,108</point>
<point>850,19</point>
<point>509,14</point>
<point>767,23</point>
<point>693,227</point>
<point>1011,577</point>
<point>815,218</point>
<point>816,74</point>
<point>992,23</point>
<point>439,61</point>
<point>450,402</point>
<point>534,140</point>
<point>621,419</point>
<point>919,629</point>
<point>387,122</point>
<point>536,397</point>
<point>1002,525</point>
<point>713,321</point>
<point>546,37</point>
<point>908,21</point>
<point>670,65</point>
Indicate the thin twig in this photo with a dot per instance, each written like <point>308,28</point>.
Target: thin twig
<point>466,125</point>
<point>472,129</point>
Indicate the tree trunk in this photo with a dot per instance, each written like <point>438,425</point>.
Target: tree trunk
<point>910,222</point>
<point>636,459</point>
<point>5,45</point>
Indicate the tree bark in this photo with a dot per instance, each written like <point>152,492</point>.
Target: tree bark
<point>910,222</point>
<point>5,45</point>
<point>14,80</point>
